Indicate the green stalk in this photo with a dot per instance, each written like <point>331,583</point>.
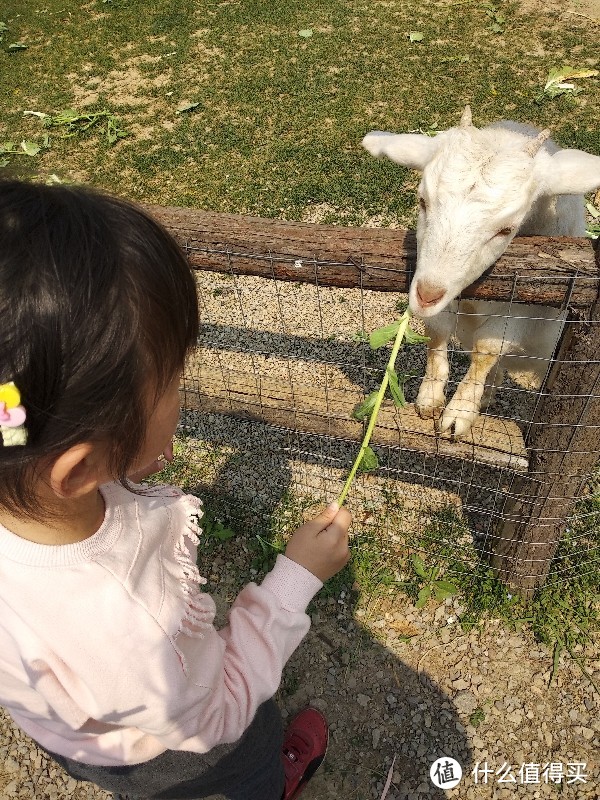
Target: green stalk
<point>404,319</point>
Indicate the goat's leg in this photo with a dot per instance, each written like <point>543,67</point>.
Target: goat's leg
<point>431,397</point>
<point>462,411</point>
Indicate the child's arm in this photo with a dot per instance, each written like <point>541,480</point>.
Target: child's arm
<point>110,679</point>
<point>266,625</point>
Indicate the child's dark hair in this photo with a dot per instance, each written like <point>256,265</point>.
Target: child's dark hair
<point>98,309</point>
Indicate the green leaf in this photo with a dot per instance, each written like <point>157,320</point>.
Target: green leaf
<point>556,81</point>
<point>30,148</point>
<point>17,46</point>
<point>306,33</point>
<point>558,75</point>
<point>365,409</point>
<point>411,337</point>
<point>423,597</point>
<point>4,162</point>
<point>415,36</point>
<point>444,589</point>
<point>592,231</point>
<point>220,532</point>
<point>267,546</point>
<point>383,335</point>
<point>369,461</point>
<point>113,131</point>
<point>395,389</point>
<point>418,565</point>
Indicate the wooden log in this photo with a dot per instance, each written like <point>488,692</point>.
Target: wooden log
<point>534,269</point>
<point>564,446</point>
<point>328,411</point>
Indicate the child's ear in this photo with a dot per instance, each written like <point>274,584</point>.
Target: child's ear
<point>77,471</point>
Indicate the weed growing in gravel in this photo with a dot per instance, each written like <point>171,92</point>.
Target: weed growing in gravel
<point>433,585</point>
<point>564,614</point>
<point>477,717</point>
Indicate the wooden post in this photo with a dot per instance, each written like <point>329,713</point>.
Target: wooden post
<point>564,444</point>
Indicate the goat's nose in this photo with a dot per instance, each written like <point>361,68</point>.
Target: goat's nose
<point>429,293</point>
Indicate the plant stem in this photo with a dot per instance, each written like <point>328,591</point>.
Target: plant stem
<point>404,319</point>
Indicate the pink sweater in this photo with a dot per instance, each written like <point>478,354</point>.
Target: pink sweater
<point>108,653</point>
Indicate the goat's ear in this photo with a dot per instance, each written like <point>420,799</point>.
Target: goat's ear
<point>570,172</point>
<point>412,150</point>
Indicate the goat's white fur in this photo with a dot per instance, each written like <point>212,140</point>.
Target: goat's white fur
<point>480,188</point>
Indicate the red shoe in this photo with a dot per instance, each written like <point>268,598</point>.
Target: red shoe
<point>304,748</point>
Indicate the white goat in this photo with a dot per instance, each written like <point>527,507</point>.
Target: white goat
<point>481,187</point>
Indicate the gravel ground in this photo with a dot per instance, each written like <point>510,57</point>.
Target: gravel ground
<point>412,701</point>
<point>481,697</point>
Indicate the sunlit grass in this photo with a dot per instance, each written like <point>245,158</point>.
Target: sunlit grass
<point>280,116</point>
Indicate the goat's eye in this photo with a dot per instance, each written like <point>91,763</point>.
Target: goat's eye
<point>505,232</point>
<point>422,204</point>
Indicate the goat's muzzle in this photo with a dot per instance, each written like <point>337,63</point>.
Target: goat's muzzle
<point>429,294</point>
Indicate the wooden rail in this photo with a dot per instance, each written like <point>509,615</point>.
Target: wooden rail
<point>492,441</point>
<point>534,269</point>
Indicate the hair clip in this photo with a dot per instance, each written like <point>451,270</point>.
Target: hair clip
<point>12,416</point>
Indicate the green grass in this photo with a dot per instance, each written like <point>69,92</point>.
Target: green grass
<point>564,614</point>
<point>280,116</point>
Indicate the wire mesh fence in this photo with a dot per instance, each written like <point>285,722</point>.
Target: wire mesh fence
<point>284,361</point>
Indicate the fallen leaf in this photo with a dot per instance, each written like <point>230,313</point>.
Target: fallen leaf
<point>306,33</point>
<point>39,114</point>
<point>186,106</point>
<point>30,148</point>
<point>558,75</point>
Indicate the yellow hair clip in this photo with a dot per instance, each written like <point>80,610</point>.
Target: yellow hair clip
<point>12,415</point>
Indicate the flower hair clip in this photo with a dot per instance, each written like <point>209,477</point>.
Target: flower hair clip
<point>12,416</point>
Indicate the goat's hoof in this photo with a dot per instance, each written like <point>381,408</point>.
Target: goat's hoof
<point>458,424</point>
<point>426,411</point>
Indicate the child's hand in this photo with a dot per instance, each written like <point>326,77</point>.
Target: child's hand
<point>321,545</point>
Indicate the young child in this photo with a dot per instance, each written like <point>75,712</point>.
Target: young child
<point>108,654</point>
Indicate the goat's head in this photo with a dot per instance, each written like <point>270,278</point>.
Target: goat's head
<point>477,188</point>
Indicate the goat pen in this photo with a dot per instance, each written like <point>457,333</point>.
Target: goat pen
<point>290,363</point>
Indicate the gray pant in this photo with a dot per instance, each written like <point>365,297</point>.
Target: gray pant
<point>250,769</point>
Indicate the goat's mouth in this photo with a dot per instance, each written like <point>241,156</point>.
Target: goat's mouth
<point>427,300</point>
